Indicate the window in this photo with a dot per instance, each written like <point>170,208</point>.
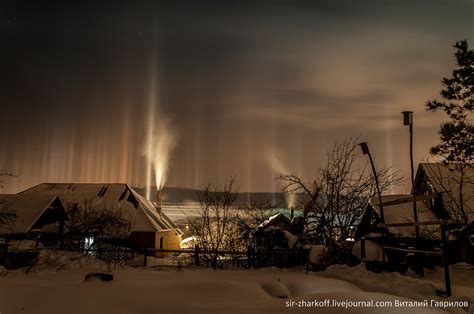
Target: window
<point>88,243</point>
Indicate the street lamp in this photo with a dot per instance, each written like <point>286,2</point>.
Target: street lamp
<point>366,151</point>
<point>408,120</point>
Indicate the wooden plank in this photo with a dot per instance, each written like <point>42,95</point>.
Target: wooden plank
<point>201,251</point>
<point>432,253</point>
<point>423,223</point>
<point>409,199</point>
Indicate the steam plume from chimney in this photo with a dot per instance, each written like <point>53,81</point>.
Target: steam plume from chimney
<point>160,138</point>
<point>160,143</point>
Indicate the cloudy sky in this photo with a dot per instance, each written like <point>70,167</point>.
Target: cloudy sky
<point>247,88</point>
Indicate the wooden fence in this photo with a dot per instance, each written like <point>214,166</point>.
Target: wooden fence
<point>443,254</point>
<point>251,258</point>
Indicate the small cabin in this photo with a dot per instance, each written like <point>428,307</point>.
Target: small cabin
<point>269,234</point>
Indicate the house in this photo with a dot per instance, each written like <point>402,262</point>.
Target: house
<point>431,179</point>
<point>270,232</point>
<point>455,182</point>
<point>451,187</point>
<point>150,227</point>
<point>449,180</point>
<point>400,211</point>
<point>33,213</point>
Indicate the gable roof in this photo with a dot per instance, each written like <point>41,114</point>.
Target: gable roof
<point>27,208</point>
<point>440,172</point>
<point>274,221</point>
<point>403,213</point>
<point>445,179</point>
<point>140,211</point>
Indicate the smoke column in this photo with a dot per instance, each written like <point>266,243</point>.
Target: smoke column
<point>160,140</point>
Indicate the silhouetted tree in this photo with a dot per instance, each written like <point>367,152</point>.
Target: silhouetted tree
<point>89,219</point>
<point>7,216</point>
<point>255,213</point>
<point>3,176</point>
<point>457,134</point>
<point>456,183</point>
<point>336,199</point>
<point>215,228</point>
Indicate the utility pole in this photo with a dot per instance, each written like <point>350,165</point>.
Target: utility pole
<point>366,151</point>
<point>408,120</point>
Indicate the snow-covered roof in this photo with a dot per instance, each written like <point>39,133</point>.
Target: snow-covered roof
<point>272,219</point>
<point>446,178</point>
<point>118,196</point>
<point>403,213</point>
<point>28,209</point>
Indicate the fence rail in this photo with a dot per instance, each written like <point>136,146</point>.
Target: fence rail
<point>117,255</point>
<point>442,254</point>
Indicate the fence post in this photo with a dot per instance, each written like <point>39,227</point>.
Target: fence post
<point>3,256</point>
<point>249,257</point>
<point>145,257</point>
<point>447,279</point>
<point>37,240</point>
<point>196,255</point>
<point>307,261</point>
<point>362,249</point>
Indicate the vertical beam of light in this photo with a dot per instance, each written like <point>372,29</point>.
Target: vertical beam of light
<point>150,130</point>
<point>197,153</point>
<point>248,157</point>
<point>219,152</point>
<point>124,168</point>
<point>270,155</point>
<point>389,142</point>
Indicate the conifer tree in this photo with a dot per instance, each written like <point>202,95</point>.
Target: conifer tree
<point>456,134</point>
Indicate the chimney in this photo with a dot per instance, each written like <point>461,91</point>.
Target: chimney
<point>159,199</point>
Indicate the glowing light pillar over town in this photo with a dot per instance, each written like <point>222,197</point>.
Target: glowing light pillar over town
<point>277,165</point>
<point>150,128</point>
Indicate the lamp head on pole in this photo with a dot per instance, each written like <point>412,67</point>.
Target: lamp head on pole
<point>407,117</point>
<point>365,147</point>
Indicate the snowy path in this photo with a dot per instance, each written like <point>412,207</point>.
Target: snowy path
<point>189,291</point>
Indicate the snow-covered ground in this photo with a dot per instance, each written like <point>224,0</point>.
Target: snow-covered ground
<point>45,289</point>
<point>411,285</point>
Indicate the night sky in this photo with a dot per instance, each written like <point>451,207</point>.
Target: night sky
<point>247,89</point>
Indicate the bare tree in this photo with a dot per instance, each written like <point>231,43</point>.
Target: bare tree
<point>335,200</point>
<point>90,219</point>
<point>455,181</point>
<point>254,214</point>
<point>7,216</point>
<point>3,177</point>
<point>215,227</point>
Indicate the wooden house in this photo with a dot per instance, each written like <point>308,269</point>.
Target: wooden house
<point>150,227</point>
